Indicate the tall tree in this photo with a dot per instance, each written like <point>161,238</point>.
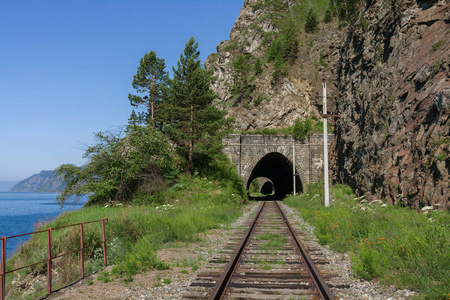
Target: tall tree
<point>191,120</point>
<point>240,71</point>
<point>150,80</point>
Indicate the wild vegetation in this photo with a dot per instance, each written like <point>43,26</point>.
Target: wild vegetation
<point>179,130</point>
<point>396,245</point>
<point>134,231</point>
<point>300,130</point>
<point>281,45</point>
<point>160,180</point>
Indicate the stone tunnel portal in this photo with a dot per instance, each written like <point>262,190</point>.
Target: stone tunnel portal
<point>278,168</point>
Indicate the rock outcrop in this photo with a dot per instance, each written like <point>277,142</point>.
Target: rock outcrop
<point>393,134</point>
<point>389,70</point>
<point>295,96</point>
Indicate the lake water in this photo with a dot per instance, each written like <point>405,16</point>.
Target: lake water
<point>20,212</point>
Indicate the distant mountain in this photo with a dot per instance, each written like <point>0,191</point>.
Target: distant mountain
<point>44,182</point>
<point>6,185</point>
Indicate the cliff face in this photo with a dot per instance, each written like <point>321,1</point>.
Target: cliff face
<point>389,71</point>
<point>43,182</point>
<point>272,106</point>
<point>393,134</point>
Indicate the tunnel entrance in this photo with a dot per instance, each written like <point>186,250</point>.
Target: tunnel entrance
<point>278,170</point>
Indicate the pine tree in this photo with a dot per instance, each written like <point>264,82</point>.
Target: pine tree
<point>149,80</point>
<point>311,21</point>
<point>191,120</point>
<point>257,67</point>
<point>240,71</point>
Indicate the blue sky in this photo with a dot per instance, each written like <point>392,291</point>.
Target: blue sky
<point>66,68</point>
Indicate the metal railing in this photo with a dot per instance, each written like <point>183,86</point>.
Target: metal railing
<point>50,258</point>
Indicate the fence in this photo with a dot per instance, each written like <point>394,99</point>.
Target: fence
<point>50,258</point>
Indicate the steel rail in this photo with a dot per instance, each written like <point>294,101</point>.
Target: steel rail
<point>224,279</point>
<point>320,282</point>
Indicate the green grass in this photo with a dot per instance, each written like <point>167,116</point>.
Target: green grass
<point>134,232</point>
<point>274,241</point>
<point>396,245</point>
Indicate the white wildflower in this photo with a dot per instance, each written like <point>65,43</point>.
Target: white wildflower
<point>426,208</point>
<point>384,205</point>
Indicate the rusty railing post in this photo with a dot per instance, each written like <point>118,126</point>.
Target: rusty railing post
<point>3,269</point>
<point>82,249</point>
<point>105,262</point>
<point>49,261</point>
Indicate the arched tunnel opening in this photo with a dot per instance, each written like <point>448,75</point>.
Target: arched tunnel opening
<point>277,170</point>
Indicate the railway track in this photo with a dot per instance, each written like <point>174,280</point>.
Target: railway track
<point>264,260</point>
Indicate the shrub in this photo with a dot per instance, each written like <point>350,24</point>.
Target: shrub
<point>302,128</point>
<point>328,16</point>
<point>311,21</point>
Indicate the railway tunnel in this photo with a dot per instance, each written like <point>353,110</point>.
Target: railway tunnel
<point>279,170</point>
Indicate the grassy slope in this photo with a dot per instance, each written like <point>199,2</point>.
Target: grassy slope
<point>397,245</point>
<point>134,232</point>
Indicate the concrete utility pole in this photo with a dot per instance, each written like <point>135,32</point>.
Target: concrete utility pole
<point>293,164</point>
<point>325,146</point>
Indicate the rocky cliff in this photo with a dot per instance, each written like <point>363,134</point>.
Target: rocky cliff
<point>295,96</point>
<point>394,92</point>
<point>389,70</point>
<point>43,182</point>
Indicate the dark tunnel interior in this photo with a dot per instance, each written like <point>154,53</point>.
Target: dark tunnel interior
<point>278,168</point>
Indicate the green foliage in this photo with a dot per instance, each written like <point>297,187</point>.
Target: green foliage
<point>105,277</point>
<point>311,21</point>
<point>322,61</point>
<point>328,16</point>
<point>257,67</point>
<point>253,190</point>
<point>150,80</point>
<point>274,241</point>
<point>220,168</point>
<point>442,156</point>
<point>378,57</point>
<point>302,128</point>
<point>346,9</point>
<point>119,165</point>
<point>232,46</point>
<point>396,245</point>
<point>240,69</point>
<point>363,23</point>
<point>259,99</point>
<point>190,119</point>
<point>135,232</point>
<point>283,51</point>
<point>436,46</point>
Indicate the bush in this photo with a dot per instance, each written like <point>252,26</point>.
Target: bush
<point>302,128</point>
<point>328,16</point>
<point>311,21</point>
